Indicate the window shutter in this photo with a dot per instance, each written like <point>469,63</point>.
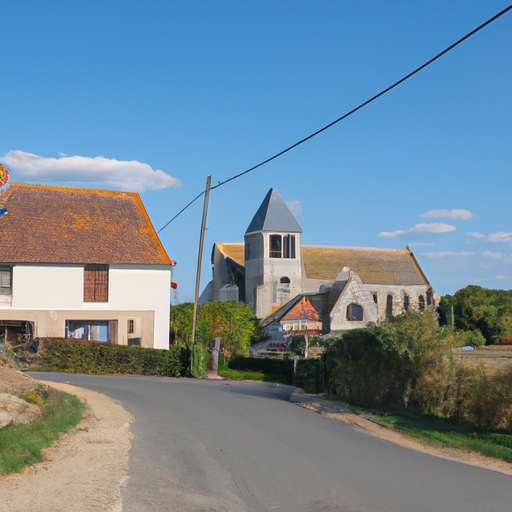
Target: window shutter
<point>96,283</point>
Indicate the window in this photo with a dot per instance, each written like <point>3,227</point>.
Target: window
<point>289,246</point>
<point>354,312</point>
<point>421,302</point>
<point>275,246</point>
<point>131,326</point>
<point>96,283</point>
<point>375,298</point>
<point>282,247</point>
<point>285,280</point>
<point>92,330</point>
<point>5,281</point>
<point>429,298</point>
<point>406,302</point>
<point>389,306</point>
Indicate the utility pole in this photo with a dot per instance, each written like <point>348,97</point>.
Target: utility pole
<point>200,256</point>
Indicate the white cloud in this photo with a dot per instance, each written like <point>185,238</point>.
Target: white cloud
<point>503,277</point>
<point>294,206</point>
<point>420,244</point>
<point>496,255</point>
<point>127,175</point>
<point>443,254</point>
<point>496,238</point>
<point>433,227</point>
<point>450,214</point>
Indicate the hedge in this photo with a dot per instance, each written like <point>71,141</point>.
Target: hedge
<point>309,375</point>
<point>105,358</point>
<point>261,364</point>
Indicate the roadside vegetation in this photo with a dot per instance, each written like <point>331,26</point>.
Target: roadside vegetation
<point>255,368</point>
<point>403,373</point>
<point>440,432</point>
<point>22,444</point>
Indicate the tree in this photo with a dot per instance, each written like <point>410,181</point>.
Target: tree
<point>235,323</point>
<point>181,323</point>
<point>484,311</point>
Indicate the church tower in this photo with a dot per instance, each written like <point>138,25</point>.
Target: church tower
<point>273,264</point>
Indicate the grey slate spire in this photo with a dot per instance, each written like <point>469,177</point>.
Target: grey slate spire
<point>274,215</point>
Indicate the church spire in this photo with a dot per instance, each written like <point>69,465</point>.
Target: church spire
<point>274,215</point>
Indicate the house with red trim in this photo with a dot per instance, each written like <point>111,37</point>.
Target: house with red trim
<point>82,263</point>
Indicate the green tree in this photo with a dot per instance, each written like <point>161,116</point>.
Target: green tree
<point>235,323</point>
<point>181,323</point>
<point>481,310</point>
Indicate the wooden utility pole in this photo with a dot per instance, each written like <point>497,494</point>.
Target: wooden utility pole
<point>200,256</point>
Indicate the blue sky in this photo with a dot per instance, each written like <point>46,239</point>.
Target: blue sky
<point>155,96</point>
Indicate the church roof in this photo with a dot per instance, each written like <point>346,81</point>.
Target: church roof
<point>235,251</point>
<point>373,266</point>
<point>274,215</point>
<point>46,224</point>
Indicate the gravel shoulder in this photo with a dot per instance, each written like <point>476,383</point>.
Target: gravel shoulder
<point>84,470</point>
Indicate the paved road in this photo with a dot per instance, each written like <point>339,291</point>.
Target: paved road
<point>228,446</point>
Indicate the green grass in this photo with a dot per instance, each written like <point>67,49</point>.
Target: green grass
<point>22,444</point>
<point>445,433</point>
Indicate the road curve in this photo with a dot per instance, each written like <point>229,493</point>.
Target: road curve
<point>242,446</point>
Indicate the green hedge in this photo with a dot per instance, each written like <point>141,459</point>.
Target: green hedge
<point>261,364</point>
<point>104,358</point>
<point>309,375</point>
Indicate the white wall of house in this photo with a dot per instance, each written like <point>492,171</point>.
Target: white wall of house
<point>139,292</point>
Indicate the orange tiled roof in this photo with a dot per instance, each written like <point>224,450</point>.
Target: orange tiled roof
<point>47,224</point>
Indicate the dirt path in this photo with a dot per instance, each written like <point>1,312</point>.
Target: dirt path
<point>339,411</point>
<point>84,471</point>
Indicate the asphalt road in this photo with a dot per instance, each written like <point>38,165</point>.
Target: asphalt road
<point>230,446</point>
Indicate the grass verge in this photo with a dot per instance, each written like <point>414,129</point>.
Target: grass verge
<point>441,432</point>
<point>22,444</point>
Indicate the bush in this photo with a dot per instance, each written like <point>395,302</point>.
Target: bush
<point>469,338</point>
<point>260,364</point>
<point>309,375</point>
<point>103,358</point>
<point>198,360</point>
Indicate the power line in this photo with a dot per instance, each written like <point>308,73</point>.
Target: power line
<point>367,102</point>
<point>182,210</point>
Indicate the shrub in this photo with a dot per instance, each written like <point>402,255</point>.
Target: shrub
<point>104,358</point>
<point>260,364</point>
<point>309,375</point>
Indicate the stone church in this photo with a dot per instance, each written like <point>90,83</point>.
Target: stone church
<point>326,290</point>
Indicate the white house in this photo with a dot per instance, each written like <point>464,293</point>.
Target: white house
<point>326,289</point>
<point>82,263</point>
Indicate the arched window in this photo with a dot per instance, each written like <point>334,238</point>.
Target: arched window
<point>429,297</point>
<point>389,306</point>
<point>406,302</point>
<point>354,312</point>
<point>421,302</point>
<point>285,280</point>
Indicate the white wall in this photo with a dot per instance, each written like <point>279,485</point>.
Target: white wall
<point>143,289</point>
<point>48,287</point>
<point>57,288</point>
